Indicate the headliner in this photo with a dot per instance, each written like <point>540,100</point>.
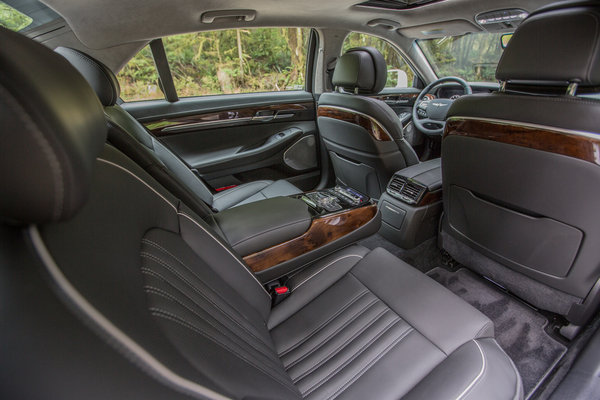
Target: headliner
<point>101,24</point>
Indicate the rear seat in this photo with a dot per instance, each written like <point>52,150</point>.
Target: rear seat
<point>112,288</point>
<point>151,153</point>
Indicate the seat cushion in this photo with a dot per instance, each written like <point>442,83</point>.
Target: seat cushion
<point>362,322</point>
<point>251,192</point>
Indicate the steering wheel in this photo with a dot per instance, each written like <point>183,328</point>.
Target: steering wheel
<point>429,116</point>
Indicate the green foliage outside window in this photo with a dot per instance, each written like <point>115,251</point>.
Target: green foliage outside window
<point>473,57</point>
<point>13,19</point>
<point>392,58</point>
<point>222,62</point>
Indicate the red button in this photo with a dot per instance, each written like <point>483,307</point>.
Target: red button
<point>281,290</point>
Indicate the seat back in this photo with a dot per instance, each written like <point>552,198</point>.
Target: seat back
<point>111,287</point>
<point>161,162</point>
<point>521,167</point>
<point>363,135</point>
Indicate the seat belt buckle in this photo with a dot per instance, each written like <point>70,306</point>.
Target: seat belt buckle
<point>279,293</point>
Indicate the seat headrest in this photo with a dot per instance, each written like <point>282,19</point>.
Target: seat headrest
<point>53,128</point>
<point>99,76</point>
<point>559,44</point>
<point>362,70</point>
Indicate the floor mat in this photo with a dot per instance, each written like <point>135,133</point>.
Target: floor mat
<point>423,257</point>
<point>519,329</point>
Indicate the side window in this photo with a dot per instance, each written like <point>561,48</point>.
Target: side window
<point>223,62</point>
<point>139,78</point>
<point>400,75</point>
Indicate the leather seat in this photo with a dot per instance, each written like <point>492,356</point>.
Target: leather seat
<point>112,288</point>
<point>520,166</point>
<point>123,127</point>
<point>362,134</point>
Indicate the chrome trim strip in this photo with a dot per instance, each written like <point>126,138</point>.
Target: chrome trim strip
<point>363,115</point>
<point>589,135</point>
<point>206,124</point>
<point>117,338</point>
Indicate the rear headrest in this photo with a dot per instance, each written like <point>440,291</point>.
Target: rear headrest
<point>362,70</point>
<point>52,129</point>
<point>99,76</point>
<point>559,44</point>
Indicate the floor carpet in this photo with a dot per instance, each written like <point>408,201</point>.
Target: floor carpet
<point>519,328</point>
<point>423,257</point>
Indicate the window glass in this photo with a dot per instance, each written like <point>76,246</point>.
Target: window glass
<point>400,75</point>
<point>238,61</point>
<point>13,19</point>
<point>222,62</point>
<point>139,78</point>
<point>473,56</point>
<point>25,15</point>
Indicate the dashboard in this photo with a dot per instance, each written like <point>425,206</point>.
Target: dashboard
<point>453,91</point>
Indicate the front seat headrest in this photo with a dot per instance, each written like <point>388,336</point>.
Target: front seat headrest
<point>559,44</point>
<point>361,70</point>
<point>53,128</point>
<point>99,76</point>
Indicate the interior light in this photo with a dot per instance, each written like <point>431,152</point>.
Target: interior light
<point>496,17</point>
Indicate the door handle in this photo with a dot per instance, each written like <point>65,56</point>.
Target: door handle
<point>264,116</point>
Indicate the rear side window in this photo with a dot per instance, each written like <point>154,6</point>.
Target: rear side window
<point>400,75</point>
<point>223,62</point>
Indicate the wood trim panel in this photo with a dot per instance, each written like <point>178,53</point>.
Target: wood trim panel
<point>322,231</point>
<point>539,138</point>
<point>245,115</point>
<point>374,129</point>
<point>430,198</point>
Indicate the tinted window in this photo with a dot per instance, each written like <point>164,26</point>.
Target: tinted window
<point>24,15</point>
<point>223,62</point>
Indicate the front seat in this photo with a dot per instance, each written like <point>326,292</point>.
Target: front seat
<point>123,127</point>
<point>111,288</point>
<point>363,135</point>
<point>521,167</point>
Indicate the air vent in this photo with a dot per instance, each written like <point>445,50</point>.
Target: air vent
<point>406,190</point>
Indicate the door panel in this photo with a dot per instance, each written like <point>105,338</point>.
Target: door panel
<point>232,139</point>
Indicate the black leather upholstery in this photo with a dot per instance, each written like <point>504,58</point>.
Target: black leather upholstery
<point>281,219</point>
<point>179,178</point>
<point>361,70</point>
<point>518,214</point>
<point>179,315</point>
<point>544,50</point>
<point>358,159</point>
<point>57,132</point>
<point>98,75</point>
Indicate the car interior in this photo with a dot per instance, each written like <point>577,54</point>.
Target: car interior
<point>299,200</point>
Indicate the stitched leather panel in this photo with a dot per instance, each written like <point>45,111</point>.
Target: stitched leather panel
<point>342,336</point>
<point>204,318</point>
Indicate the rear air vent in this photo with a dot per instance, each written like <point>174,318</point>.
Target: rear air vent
<point>405,189</point>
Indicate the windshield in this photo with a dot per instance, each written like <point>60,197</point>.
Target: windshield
<point>473,56</point>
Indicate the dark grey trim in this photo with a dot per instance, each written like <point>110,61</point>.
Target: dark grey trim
<point>164,71</point>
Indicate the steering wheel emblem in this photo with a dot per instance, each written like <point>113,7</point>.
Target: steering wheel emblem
<point>431,120</point>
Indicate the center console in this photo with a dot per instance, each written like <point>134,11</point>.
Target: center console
<point>412,205</point>
<point>279,235</point>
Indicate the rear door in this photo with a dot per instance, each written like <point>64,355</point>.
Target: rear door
<point>243,112</point>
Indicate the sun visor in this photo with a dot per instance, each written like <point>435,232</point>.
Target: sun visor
<point>439,29</point>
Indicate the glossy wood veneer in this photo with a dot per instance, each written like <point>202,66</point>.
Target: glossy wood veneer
<point>322,230</point>
<point>371,126</point>
<point>430,198</point>
<point>554,141</point>
<point>300,111</point>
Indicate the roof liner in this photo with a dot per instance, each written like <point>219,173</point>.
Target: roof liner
<point>106,23</point>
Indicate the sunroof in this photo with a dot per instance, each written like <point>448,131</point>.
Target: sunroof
<point>25,15</point>
<point>396,4</point>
